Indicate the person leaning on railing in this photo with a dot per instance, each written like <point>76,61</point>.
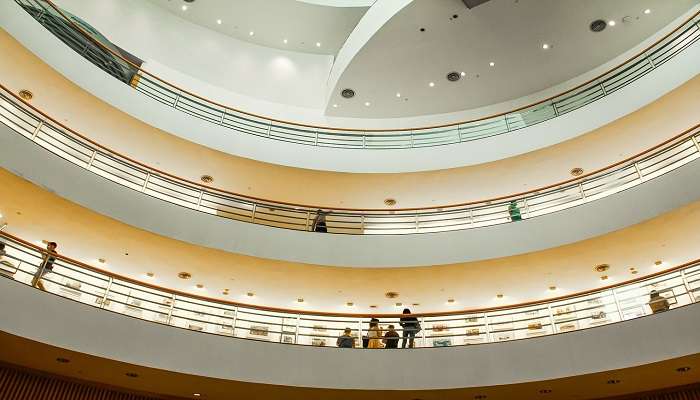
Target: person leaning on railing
<point>657,302</point>
<point>46,266</point>
<point>346,340</point>
<point>319,224</point>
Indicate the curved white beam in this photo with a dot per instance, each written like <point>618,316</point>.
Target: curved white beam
<point>378,15</point>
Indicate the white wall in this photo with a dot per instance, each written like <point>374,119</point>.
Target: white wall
<point>253,77</point>
<point>48,319</point>
<point>45,45</point>
<point>650,199</point>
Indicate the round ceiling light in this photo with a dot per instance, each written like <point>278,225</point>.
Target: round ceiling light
<point>453,76</point>
<point>26,94</point>
<point>602,267</point>
<point>207,178</point>
<point>598,25</point>
<point>184,275</point>
<point>391,295</point>
<point>390,202</point>
<point>347,93</point>
<point>576,171</point>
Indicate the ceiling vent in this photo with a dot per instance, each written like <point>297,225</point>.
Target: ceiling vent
<point>598,25</point>
<point>453,76</point>
<point>348,93</point>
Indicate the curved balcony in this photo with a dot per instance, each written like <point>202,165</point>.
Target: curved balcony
<point>88,42</point>
<point>679,286</point>
<point>70,145</point>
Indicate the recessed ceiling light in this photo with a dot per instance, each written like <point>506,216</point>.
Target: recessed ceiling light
<point>604,278</point>
<point>545,46</point>
<point>647,11</point>
<point>200,286</point>
<point>492,64</point>
<point>196,394</point>
<point>552,288</point>
<point>349,304</point>
<point>431,84</point>
<point>184,7</point>
<point>318,44</point>
<point>367,103</point>
<point>285,41</point>
<point>250,294</point>
<point>450,300</point>
<point>398,94</point>
<point>218,21</point>
<point>463,73</point>
<point>500,295</point>
<point>398,304</point>
<point>300,300</point>
<point>611,22</point>
<point>251,33</point>
<point>335,106</point>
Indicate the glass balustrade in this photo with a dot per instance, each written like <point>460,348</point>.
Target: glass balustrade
<point>678,287</point>
<point>89,43</point>
<point>53,136</point>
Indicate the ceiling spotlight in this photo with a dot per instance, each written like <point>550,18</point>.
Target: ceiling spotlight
<point>318,44</point>
<point>450,300</point>
<point>184,7</point>
<point>335,106</point>
<point>250,294</point>
<point>367,103</point>
<point>251,33</point>
<point>500,295</point>
<point>285,41</point>
<point>218,21</point>
<point>398,94</point>
<point>545,46</point>
<point>552,288</point>
<point>492,64</point>
<point>431,84</point>
<point>647,11</point>
<point>611,22</point>
<point>463,73</point>
<point>196,394</point>
<point>349,304</point>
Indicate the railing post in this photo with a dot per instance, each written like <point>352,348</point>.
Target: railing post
<point>364,141</point>
<point>296,329</point>
<point>177,99</point>
<point>362,223</point>
<point>416,221</point>
<point>651,62</point>
<point>602,87</point>
<point>223,117</point>
<point>107,289</point>
<point>617,305</point>
<point>308,219</point>
<point>359,332</point>
<point>487,328</point>
<point>252,216</point>
<point>40,271</point>
<point>556,109</point>
<point>235,321</point>
<point>688,289</point>
<point>199,199</point>
<point>92,159</point>
<point>527,208</point>
<point>459,133</point>
<point>639,172</point>
<point>145,182</point>
<point>412,139</point>
<point>423,335</point>
<point>471,218</point>
<point>316,138</point>
<point>695,142</point>
<point>169,319</point>
<point>269,129</point>
<point>551,319</point>
<point>37,130</point>
<point>505,117</point>
<point>580,189</point>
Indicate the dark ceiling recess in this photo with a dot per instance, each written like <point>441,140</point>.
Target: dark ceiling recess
<point>474,3</point>
<point>348,93</point>
<point>598,25</point>
<point>453,76</point>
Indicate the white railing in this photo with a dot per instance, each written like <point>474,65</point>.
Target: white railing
<point>70,145</point>
<point>96,49</point>
<point>679,286</point>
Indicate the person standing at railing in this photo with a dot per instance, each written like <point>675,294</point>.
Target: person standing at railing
<point>391,338</point>
<point>346,340</point>
<point>46,266</point>
<point>657,302</point>
<point>514,212</point>
<point>319,224</point>
<point>411,327</point>
<point>374,333</point>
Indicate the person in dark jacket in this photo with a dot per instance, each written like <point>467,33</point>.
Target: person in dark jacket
<point>346,340</point>
<point>391,338</point>
<point>319,224</point>
<point>411,327</point>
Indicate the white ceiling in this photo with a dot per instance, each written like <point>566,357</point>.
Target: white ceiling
<point>303,24</point>
<point>401,59</point>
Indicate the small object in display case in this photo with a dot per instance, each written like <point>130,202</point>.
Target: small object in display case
<point>534,326</point>
<point>442,342</point>
<point>7,268</point>
<point>258,331</point>
<point>440,328</point>
<point>598,314</point>
<point>567,327</point>
<point>320,342</point>
<point>107,301</point>
<point>473,332</point>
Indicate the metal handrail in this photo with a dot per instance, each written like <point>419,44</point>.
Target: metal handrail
<point>93,48</point>
<point>72,279</point>
<point>76,148</point>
